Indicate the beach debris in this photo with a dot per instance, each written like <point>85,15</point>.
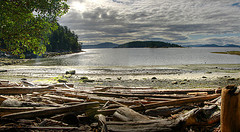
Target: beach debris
<point>62,107</point>
<point>72,72</point>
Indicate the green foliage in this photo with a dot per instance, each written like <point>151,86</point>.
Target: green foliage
<point>25,24</point>
<point>147,44</point>
<point>63,40</point>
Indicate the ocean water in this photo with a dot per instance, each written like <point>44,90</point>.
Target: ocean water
<point>141,57</point>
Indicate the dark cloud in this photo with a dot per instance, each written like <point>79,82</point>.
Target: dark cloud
<point>166,20</point>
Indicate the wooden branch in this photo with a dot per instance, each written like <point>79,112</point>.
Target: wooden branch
<point>166,103</point>
<point>108,94</point>
<point>177,102</point>
<point>53,111</point>
<point>51,122</point>
<point>64,99</point>
<point>163,91</point>
<point>10,110</point>
<point>23,90</point>
<point>79,129</point>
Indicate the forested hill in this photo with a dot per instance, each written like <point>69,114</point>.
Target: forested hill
<point>147,44</point>
<point>63,40</point>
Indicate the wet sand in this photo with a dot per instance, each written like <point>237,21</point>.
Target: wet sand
<point>167,76</point>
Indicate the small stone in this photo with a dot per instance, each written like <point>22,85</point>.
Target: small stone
<point>174,82</point>
<point>231,79</point>
<point>72,72</point>
<point>183,83</point>
<point>3,70</point>
<point>154,78</point>
<point>62,80</point>
<point>204,77</point>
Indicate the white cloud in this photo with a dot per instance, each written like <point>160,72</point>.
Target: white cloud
<point>175,21</point>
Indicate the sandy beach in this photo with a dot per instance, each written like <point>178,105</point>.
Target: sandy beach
<point>167,76</point>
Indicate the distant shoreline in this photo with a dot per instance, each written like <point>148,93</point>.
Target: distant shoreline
<point>228,52</point>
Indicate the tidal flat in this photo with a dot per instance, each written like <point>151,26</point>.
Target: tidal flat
<point>164,76</point>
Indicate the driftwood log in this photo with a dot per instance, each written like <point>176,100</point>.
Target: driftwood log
<point>23,90</point>
<point>166,103</point>
<point>63,99</point>
<point>125,114</point>
<point>53,111</point>
<point>109,94</point>
<point>230,109</point>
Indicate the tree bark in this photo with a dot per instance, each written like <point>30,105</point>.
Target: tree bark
<point>230,109</point>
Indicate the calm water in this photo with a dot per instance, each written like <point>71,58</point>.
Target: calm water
<point>142,57</point>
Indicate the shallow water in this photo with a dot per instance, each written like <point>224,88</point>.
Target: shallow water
<point>141,57</point>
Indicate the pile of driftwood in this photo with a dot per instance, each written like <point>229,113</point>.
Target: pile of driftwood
<point>61,107</point>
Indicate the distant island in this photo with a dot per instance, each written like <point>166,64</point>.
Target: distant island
<point>147,44</point>
<point>134,44</point>
<point>212,45</point>
<point>101,45</point>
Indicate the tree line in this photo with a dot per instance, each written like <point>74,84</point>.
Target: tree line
<point>63,40</point>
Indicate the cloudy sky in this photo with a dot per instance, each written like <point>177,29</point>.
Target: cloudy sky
<point>176,21</point>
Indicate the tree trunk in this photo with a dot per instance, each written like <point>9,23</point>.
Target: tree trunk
<point>230,109</point>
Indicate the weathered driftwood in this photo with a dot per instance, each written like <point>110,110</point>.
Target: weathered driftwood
<point>166,103</point>
<point>102,122</point>
<point>200,116</point>
<point>158,99</point>
<point>10,110</point>
<point>126,114</point>
<point>79,129</point>
<point>48,112</point>
<point>230,109</point>
<point>163,125</point>
<point>109,94</point>
<point>49,101</point>
<point>159,91</point>
<point>23,90</point>
<point>51,122</point>
<point>163,111</point>
<point>177,102</point>
<point>2,98</point>
<point>63,85</point>
<point>197,93</point>
<point>63,99</point>
<point>77,95</point>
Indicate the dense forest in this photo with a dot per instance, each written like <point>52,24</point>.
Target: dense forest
<point>63,40</point>
<point>147,44</point>
<point>26,24</point>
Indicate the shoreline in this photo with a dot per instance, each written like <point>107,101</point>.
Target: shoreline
<point>167,76</point>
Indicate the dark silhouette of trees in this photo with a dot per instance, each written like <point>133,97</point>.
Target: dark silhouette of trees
<point>147,44</point>
<point>63,40</point>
